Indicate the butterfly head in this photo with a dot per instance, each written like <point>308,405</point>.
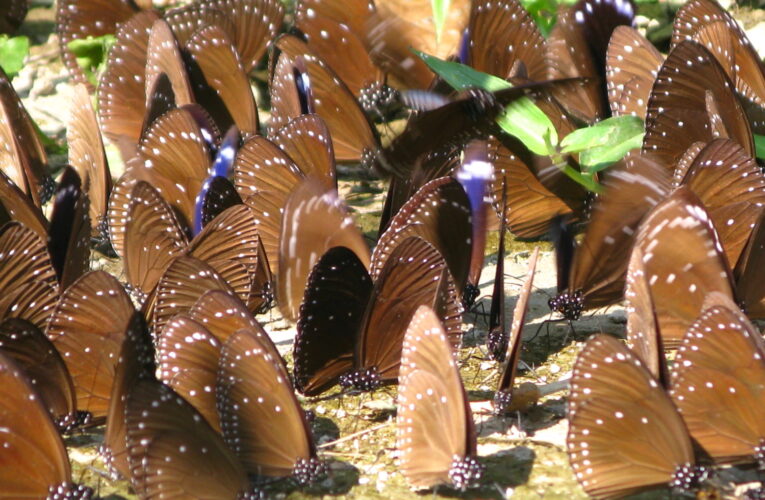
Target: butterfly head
<point>759,454</point>
<point>465,471</point>
<point>688,477</point>
<point>378,98</point>
<point>365,379</point>
<point>570,305</point>
<point>69,491</point>
<point>496,341</point>
<point>47,189</point>
<point>309,471</point>
<point>469,295</point>
<point>73,420</point>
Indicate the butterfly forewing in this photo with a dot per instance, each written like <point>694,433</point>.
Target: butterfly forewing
<point>220,83</point>
<point>434,426</point>
<point>440,214</point>
<point>33,455</point>
<point>307,141</point>
<point>87,156</point>
<point>625,434</point>
<point>152,238</point>
<point>502,36</point>
<point>26,276</point>
<point>260,416</point>
<point>79,19</point>
<point>732,187</point>
<point>412,276</point>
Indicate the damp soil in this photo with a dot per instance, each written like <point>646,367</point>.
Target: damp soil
<point>524,453</point>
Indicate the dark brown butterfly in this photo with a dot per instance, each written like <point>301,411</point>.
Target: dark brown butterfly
<point>707,23</point>
<point>595,273</point>
<point>162,429</point>
<point>315,219</point>
<point>577,47</point>
<point>17,206</point>
<point>718,383</point>
<point>336,295</point>
<point>303,83</point>
<point>229,243</point>
<point>122,88</point>
<point>508,397</point>
<point>414,274</point>
<point>682,261</point>
<point>336,32</point>
<point>87,156</point>
<point>692,100</point>
<point>750,286</point>
<point>435,434</point>
<point>88,327</point>
<point>35,462</point>
<point>23,156</point>
<point>260,417</point>
<point>266,174</point>
<point>188,362</point>
<point>632,64</point>
<point>184,281</point>
<point>69,230</point>
<point>440,214</point>
<point>625,434</point>
<point>41,362</point>
<point>79,19</point>
<point>219,81</point>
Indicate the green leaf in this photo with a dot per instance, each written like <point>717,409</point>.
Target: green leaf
<point>440,11</point>
<point>522,118</point>
<point>91,54</point>
<point>543,12</point>
<point>13,51</point>
<point>759,146</point>
<point>605,142</point>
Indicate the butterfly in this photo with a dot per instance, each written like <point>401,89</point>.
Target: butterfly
<point>357,342</point>
<point>162,428</point>
<point>679,251</point>
<point>435,434</point>
<point>87,327</point>
<point>87,156</point>
<point>693,100</point>
<point>35,458</point>
<point>593,272</point>
<point>314,220</point>
<point>38,358</point>
<point>12,16</point>
<point>717,382</point>
<point>507,397</point>
<point>23,158</point>
<point>625,433</point>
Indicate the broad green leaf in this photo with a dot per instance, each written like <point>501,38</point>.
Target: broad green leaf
<point>91,54</point>
<point>608,131</point>
<point>759,146</point>
<point>522,118</point>
<point>596,159</point>
<point>13,51</point>
<point>440,11</point>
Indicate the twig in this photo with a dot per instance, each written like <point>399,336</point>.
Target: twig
<point>355,434</point>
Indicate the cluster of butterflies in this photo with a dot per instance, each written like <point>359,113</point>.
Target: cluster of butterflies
<point>214,222</point>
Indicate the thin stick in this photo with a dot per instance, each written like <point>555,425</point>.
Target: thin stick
<point>355,434</point>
